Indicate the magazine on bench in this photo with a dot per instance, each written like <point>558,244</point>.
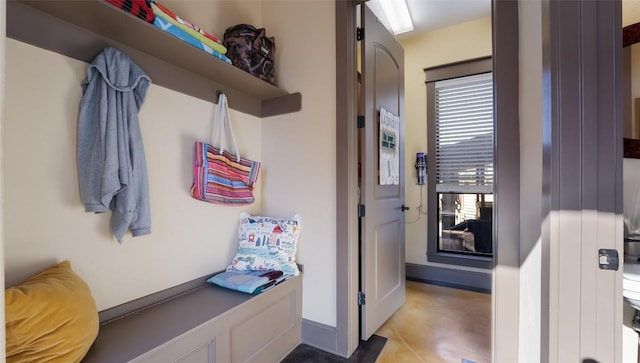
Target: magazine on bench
<point>249,281</point>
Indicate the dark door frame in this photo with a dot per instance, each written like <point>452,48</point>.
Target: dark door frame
<point>347,248</point>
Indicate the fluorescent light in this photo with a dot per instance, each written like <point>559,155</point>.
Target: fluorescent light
<point>397,13</point>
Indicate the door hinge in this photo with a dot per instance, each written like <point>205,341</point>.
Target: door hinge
<point>360,210</point>
<point>361,298</point>
<point>361,122</point>
<point>359,34</point>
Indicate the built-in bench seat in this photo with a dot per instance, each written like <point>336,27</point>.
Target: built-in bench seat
<point>200,322</point>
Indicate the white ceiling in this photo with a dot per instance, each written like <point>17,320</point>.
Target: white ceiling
<point>428,15</point>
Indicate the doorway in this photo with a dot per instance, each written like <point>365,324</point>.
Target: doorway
<point>478,34</point>
<point>452,59</point>
<point>347,192</point>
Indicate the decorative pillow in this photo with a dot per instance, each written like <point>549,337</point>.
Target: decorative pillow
<point>50,317</point>
<point>267,243</point>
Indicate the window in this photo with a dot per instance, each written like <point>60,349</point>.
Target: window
<point>460,104</point>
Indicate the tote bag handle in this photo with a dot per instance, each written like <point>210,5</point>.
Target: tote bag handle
<point>222,129</point>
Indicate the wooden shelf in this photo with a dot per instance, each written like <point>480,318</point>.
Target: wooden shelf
<point>82,29</point>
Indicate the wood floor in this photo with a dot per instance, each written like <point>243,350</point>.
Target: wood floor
<point>438,324</point>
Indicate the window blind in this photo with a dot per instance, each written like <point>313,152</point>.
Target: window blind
<point>464,134</point>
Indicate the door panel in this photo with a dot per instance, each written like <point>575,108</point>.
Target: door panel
<point>382,275</point>
<point>386,93</point>
<point>388,260</point>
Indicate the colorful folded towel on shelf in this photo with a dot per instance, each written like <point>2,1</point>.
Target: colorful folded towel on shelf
<point>157,10</point>
<point>182,21</point>
<point>139,8</point>
<point>163,24</point>
<point>248,281</point>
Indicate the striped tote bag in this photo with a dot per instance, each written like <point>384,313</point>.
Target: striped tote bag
<point>220,176</point>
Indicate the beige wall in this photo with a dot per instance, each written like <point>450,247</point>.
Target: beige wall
<point>3,17</point>
<point>630,353</point>
<point>635,89</point>
<point>299,149</point>
<point>630,342</point>
<point>45,221</point>
<point>461,42</point>
<point>45,224</point>
<point>44,218</point>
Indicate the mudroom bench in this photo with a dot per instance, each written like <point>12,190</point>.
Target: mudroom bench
<point>200,322</point>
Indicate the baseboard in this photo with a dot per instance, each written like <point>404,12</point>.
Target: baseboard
<point>449,277</point>
<point>320,336</point>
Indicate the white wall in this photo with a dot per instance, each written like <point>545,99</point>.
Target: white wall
<point>456,43</point>
<point>299,149</point>
<point>530,22</point>
<point>44,219</point>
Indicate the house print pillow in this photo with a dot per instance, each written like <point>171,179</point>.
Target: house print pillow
<point>267,243</point>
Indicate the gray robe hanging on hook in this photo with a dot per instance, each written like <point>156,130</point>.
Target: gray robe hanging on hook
<point>112,170</point>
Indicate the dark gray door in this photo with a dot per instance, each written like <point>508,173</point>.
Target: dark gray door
<point>382,235</point>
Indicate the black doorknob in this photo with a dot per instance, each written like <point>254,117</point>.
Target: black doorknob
<point>404,208</point>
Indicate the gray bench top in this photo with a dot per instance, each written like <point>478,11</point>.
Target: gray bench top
<point>124,338</point>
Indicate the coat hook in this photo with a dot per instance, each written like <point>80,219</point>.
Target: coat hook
<point>218,93</point>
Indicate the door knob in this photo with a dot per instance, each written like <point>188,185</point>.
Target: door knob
<point>404,208</point>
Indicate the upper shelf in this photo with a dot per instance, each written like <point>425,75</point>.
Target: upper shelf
<point>82,29</point>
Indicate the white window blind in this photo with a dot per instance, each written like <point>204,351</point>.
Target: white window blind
<point>464,134</point>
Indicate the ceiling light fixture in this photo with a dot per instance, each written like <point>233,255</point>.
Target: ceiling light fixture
<point>398,15</point>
